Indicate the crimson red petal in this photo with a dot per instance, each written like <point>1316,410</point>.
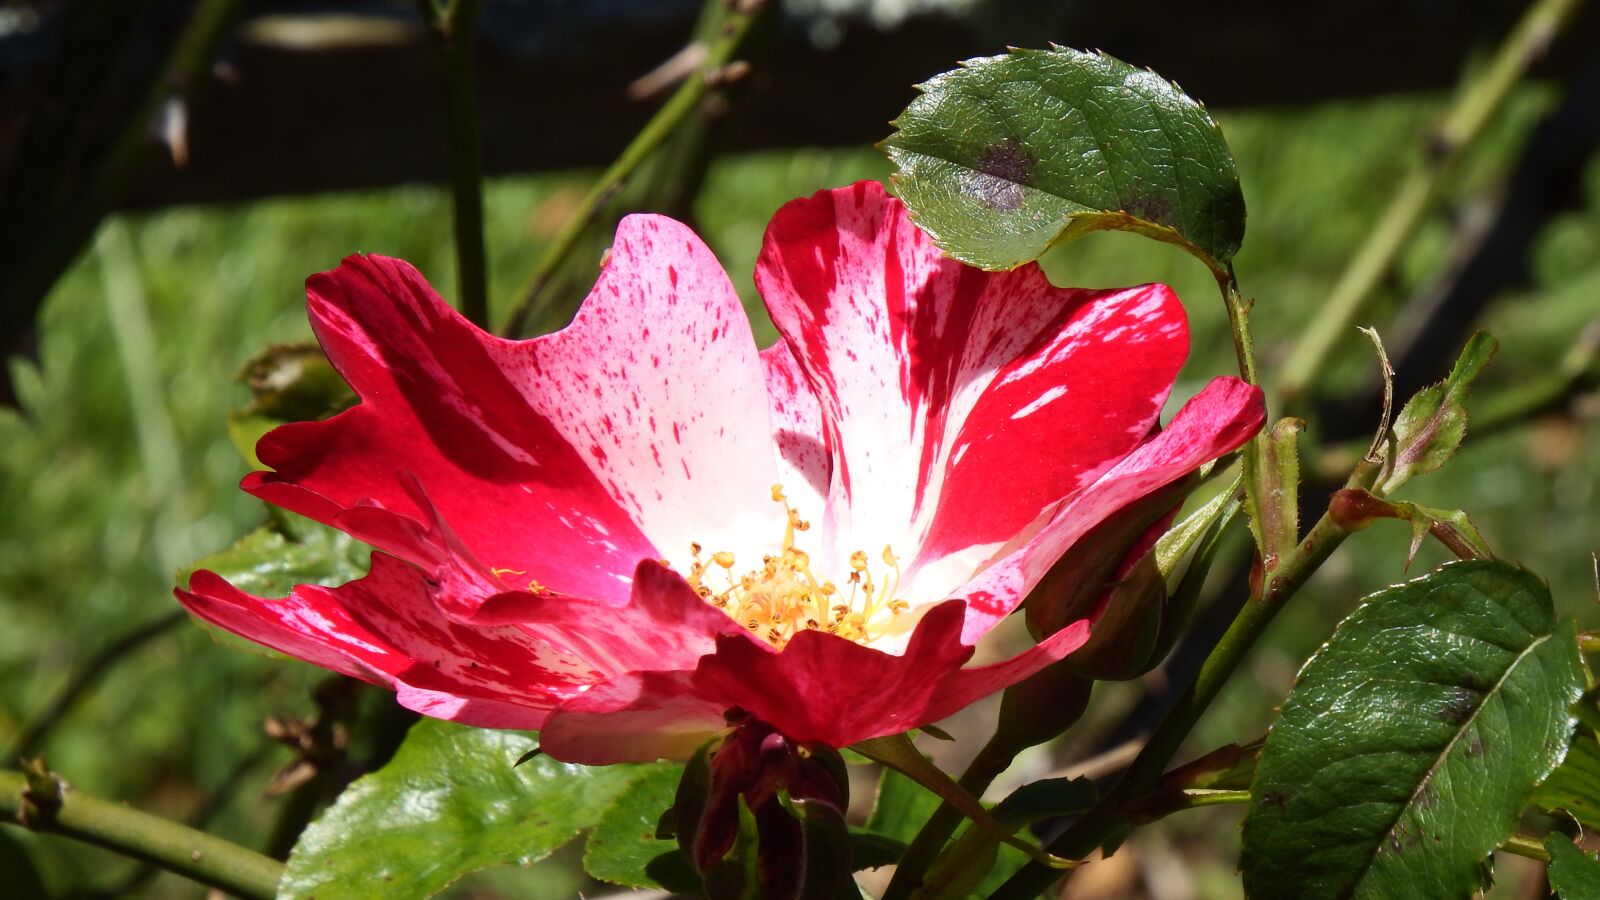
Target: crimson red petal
<point>385,629</point>
<point>818,688</point>
<point>664,625</point>
<point>1218,420</point>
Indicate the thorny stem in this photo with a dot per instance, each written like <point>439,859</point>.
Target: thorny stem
<point>456,34</point>
<point>1108,818</point>
<point>720,50</point>
<point>44,803</point>
<point>1462,127</point>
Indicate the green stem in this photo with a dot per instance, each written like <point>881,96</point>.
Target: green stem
<point>1526,845</point>
<point>1239,323</point>
<point>993,759</point>
<point>1463,126</point>
<point>177,848</point>
<point>719,51</point>
<point>1108,819</point>
<point>456,31</point>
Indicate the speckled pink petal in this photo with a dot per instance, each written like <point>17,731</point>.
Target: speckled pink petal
<point>562,460</point>
<point>385,629</point>
<point>819,688</point>
<point>959,404</point>
<point>1218,420</point>
<point>804,464</point>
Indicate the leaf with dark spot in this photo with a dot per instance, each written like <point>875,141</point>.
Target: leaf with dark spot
<point>1009,155</point>
<point>1412,740</point>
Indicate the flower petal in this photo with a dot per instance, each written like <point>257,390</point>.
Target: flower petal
<point>819,688</point>
<point>804,464</point>
<point>638,717</point>
<point>932,375</point>
<point>1218,420</point>
<point>665,624</point>
<point>385,629</point>
<point>564,459</point>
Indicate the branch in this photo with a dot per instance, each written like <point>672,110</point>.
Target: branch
<point>721,48</point>
<point>33,734</point>
<point>70,227</point>
<point>1463,126</point>
<point>455,32</point>
<point>1506,407</point>
<point>42,802</point>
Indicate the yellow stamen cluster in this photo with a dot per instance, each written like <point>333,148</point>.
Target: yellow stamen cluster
<point>785,597</point>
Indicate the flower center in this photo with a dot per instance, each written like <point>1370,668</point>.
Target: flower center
<point>785,597</point>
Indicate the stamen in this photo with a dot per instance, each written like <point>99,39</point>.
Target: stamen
<point>785,596</point>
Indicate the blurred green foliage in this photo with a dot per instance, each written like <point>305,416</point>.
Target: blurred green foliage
<point>100,507</point>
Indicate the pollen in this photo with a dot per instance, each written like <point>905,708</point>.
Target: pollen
<point>785,595</point>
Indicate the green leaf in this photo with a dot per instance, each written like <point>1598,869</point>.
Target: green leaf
<point>1432,423</point>
<point>624,840</point>
<point>968,864</point>
<point>874,851</point>
<point>268,562</point>
<point>287,551</point>
<point>897,751</point>
<point>1008,155</point>
<point>1574,787</point>
<point>1412,740</point>
<point>1574,874</point>
<point>447,804</point>
<point>903,807</point>
<point>288,383</point>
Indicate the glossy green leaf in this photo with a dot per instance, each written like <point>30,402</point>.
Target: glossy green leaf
<point>1431,425</point>
<point>624,841</point>
<point>268,562</point>
<point>1574,874</point>
<point>1412,740</point>
<point>1008,155</point>
<point>287,551</point>
<point>447,804</point>
<point>1574,787</point>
